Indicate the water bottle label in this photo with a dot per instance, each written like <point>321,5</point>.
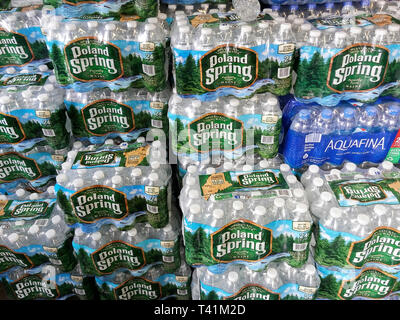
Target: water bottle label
<point>94,206</point>
<point>21,209</point>
<point>393,154</point>
<point>43,284</point>
<point>22,48</point>
<point>102,9</point>
<point>110,157</point>
<point>217,133</point>
<point>87,63</point>
<point>23,128</point>
<point>255,292</point>
<point>10,259</point>
<point>37,170</point>
<point>24,80</point>
<point>244,242</point>
<point>361,72</point>
<point>312,148</point>
<point>108,118</point>
<point>240,181</point>
<point>365,192</point>
<point>163,286</point>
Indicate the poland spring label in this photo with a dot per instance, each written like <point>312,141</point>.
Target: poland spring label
<point>23,49</point>
<point>102,9</point>
<point>10,259</point>
<point>33,287</point>
<point>245,242</point>
<point>365,192</point>
<point>119,255</point>
<point>88,63</point>
<point>26,209</point>
<point>108,118</point>
<point>96,205</point>
<point>218,133</point>
<point>229,69</point>
<point>35,170</point>
<point>361,72</point>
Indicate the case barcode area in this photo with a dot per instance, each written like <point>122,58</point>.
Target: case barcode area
<point>332,177</point>
<point>299,246</point>
<point>313,138</point>
<point>149,70</point>
<point>156,123</point>
<point>152,209</point>
<point>41,222</point>
<point>283,73</point>
<point>283,193</point>
<point>48,132</point>
<point>267,139</point>
<point>168,259</point>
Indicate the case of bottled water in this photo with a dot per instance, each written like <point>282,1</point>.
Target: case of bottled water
<point>328,136</point>
<point>115,184</point>
<point>357,230</point>
<point>278,281</point>
<point>156,283</point>
<point>245,217</point>
<point>47,282</point>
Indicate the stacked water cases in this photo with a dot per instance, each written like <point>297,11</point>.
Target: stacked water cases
<point>246,222</point>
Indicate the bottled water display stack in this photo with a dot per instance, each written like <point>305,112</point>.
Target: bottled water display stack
<point>357,230</point>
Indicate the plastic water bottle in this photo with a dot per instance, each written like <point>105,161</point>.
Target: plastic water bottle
<point>302,121</point>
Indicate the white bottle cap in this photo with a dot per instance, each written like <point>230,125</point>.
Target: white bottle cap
<point>79,232</point>
<point>318,182</point>
<point>11,70</point>
<point>167,228</point>
<point>210,170</point>
<point>51,190</point>
<point>272,273</point>
<point>43,68</point>
<point>98,175</point>
<point>34,196</point>
<point>374,171</point>
<point>137,172</point>
<point>162,16</point>
<point>313,168</point>
<point>335,172</point>
<point>192,169</point>
<point>298,193</point>
<point>78,183</point>
<point>350,166</point>
<point>61,178</point>
<point>291,179</point>
<point>155,165</point>
<point>233,276</point>
<point>326,196</point>
<point>109,142</point>
<point>194,194</point>
<point>5,100</point>
<point>260,210</point>
<point>247,167</point>
<point>3,197</point>
<point>50,234</point>
<point>153,176</point>
<point>132,24</point>
<point>26,94</point>
<point>355,30</point>
<point>33,229</point>
<point>196,103</point>
<point>301,208</point>
<point>264,164</point>
<point>363,219</point>
<point>21,192</point>
<point>310,269</point>
<point>156,144</point>
<point>13,237</point>
<point>315,33</point>
<point>110,27</point>
<point>19,222</point>
<point>92,24</point>
<point>394,28</point>
<point>380,209</point>
<point>237,205</point>
<point>234,102</point>
<point>335,212</point>
<point>56,219</point>
<point>305,27</point>
<point>190,181</point>
<point>195,209</point>
<point>152,20</point>
<point>228,165</point>
<point>387,165</point>
<point>70,26</point>
<point>96,236</point>
<point>116,180</point>
<point>77,145</point>
<point>133,232</point>
<point>279,202</point>
<point>150,27</point>
<point>218,213</point>
<point>206,31</point>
